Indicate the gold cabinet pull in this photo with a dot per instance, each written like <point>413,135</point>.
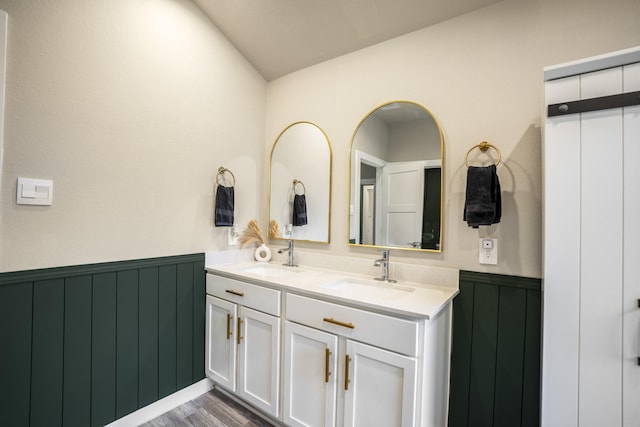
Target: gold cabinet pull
<point>346,372</point>
<point>239,330</point>
<point>327,353</point>
<point>339,323</point>
<point>231,291</point>
<point>229,318</point>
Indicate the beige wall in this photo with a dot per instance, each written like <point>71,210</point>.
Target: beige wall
<point>130,107</point>
<point>481,76</point>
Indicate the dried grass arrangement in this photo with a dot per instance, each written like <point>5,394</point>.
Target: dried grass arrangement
<point>274,231</point>
<point>251,234</point>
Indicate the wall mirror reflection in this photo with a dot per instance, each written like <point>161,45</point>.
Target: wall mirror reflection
<point>300,184</point>
<point>395,179</point>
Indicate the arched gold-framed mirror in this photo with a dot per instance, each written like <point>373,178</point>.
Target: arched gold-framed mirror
<point>396,187</point>
<point>300,176</point>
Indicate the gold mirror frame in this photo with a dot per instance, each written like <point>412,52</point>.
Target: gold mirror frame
<point>298,171</point>
<point>355,230</point>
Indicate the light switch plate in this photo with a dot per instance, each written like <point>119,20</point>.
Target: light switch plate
<point>488,251</point>
<point>32,191</point>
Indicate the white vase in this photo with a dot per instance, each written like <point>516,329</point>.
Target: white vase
<point>262,253</point>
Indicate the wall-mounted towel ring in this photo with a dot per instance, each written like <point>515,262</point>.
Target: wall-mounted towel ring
<point>221,171</point>
<point>296,182</point>
<point>483,146</point>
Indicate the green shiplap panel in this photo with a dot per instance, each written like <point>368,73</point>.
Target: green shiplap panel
<point>76,408</point>
<point>127,343</point>
<point>15,353</point>
<point>166,330</point>
<point>148,337</point>
<point>483,351</point>
<point>495,360</point>
<point>199,310</point>
<point>47,355</point>
<point>103,345</point>
<point>184,323</point>
<point>110,335</point>
<point>461,355</point>
<point>510,357</point>
<point>531,375</point>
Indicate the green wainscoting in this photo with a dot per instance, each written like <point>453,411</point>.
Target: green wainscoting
<point>86,345</point>
<point>495,361</point>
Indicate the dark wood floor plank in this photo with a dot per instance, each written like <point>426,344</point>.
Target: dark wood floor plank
<point>214,409</point>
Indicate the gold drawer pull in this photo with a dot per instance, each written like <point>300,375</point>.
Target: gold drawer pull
<point>327,353</point>
<point>239,330</point>
<point>346,372</point>
<point>231,291</point>
<point>339,323</point>
<point>229,318</point>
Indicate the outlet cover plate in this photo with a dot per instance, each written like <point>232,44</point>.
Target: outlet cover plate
<point>488,251</point>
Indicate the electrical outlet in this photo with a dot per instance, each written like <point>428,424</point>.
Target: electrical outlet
<point>232,237</point>
<point>488,251</point>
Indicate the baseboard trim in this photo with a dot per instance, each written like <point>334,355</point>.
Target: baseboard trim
<point>163,405</point>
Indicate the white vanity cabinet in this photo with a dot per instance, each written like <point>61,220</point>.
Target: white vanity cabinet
<point>350,367</point>
<point>345,361</point>
<point>243,340</point>
<point>310,382</point>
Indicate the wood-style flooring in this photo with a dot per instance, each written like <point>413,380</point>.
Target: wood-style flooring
<point>210,409</point>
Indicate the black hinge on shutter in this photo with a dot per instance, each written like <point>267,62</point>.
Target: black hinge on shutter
<point>594,104</point>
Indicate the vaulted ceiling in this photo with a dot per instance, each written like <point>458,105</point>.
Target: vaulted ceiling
<point>282,36</point>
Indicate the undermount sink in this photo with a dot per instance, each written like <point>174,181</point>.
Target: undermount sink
<point>271,270</point>
<point>372,288</point>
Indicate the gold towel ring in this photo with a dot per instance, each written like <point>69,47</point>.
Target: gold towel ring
<point>483,146</point>
<point>296,182</point>
<point>221,171</point>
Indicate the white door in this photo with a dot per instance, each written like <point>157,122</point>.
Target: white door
<point>310,362</point>
<point>368,214</point>
<point>631,274</point>
<point>259,355</point>
<point>402,203</point>
<point>380,387</point>
<point>220,344</point>
<point>591,323</point>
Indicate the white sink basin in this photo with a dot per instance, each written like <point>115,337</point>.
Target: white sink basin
<point>356,287</point>
<point>271,270</point>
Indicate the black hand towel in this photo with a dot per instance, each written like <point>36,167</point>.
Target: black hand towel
<point>299,210</point>
<point>224,206</point>
<point>483,203</point>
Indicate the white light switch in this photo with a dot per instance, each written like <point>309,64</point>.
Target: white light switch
<point>32,191</point>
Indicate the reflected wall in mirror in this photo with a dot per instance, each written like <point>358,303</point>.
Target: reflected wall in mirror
<point>395,179</point>
<point>300,172</point>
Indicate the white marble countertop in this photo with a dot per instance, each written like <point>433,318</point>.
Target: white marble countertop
<point>405,298</point>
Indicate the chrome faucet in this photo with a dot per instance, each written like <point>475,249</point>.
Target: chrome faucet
<point>384,262</point>
<point>289,249</point>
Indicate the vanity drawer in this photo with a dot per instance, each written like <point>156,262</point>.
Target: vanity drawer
<point>247,294</point>
<point>388,332</point>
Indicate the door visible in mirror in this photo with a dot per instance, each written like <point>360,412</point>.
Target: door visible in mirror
<point>395,179</point>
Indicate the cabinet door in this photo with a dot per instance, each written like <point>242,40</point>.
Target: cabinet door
<point>310,361</point>
<point>380,387</point>
<point>259,355</point>
<point>220,345</point>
